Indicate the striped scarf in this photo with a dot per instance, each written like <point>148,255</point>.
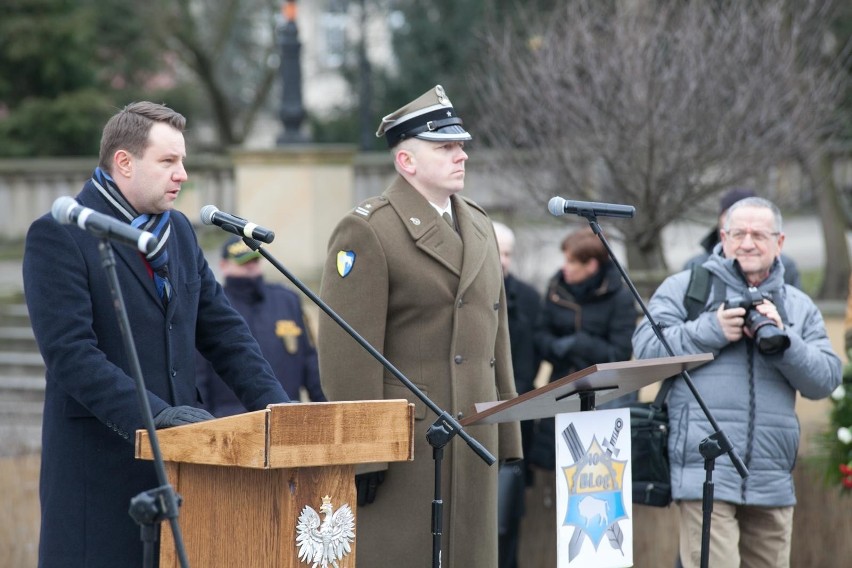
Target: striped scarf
<point>159,225</point>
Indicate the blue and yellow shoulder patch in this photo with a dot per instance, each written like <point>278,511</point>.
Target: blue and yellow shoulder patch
<point>345,262</point>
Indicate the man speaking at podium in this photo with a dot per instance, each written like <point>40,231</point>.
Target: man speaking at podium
<point>416,272</point>
<point>173,304</point>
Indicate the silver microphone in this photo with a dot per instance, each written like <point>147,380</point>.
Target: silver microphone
<point>67,211</point>
<point>210,215</point>
<point>559,206</point>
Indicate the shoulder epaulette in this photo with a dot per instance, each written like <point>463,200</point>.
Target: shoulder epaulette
<point>473,204</point>
<point>368,206</point>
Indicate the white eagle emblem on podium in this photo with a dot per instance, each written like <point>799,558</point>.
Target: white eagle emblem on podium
<point>322,543</point>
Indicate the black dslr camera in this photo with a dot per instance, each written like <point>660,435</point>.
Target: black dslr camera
<point>767,336</point>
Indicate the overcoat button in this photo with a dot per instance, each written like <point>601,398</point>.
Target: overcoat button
<point>497,305</point>
<point>458,359</point>
<point>460,415</point>
<point>493,361</point>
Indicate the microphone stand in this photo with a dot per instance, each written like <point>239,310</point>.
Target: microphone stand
<point>711,447</point>
<point>439,433</point>
<point>149,508</point>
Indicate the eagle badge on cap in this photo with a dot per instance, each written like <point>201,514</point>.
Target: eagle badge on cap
<point>442,96</point>
<point>430,116</point>
<point>345,262</point>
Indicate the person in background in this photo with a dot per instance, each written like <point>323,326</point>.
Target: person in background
<point>174,305</point>
<point>769,344</point>
<point>416,272</point>
<point>791,271</point>
<point>523,304</point>
<point>275,317</point>
<point>588,317</point>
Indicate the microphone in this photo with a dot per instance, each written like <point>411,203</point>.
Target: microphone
<point>67,211</point>
<point>559,206</point>
<point>210,215</point>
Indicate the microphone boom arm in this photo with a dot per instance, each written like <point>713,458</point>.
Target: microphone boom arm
<point>449,424</point>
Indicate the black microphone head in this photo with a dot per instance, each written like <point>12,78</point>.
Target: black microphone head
<point>62,207</point>
<point>207,213</point>
<point>556,206</point>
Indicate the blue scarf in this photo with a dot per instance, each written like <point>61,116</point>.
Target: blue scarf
<point>159,225</point>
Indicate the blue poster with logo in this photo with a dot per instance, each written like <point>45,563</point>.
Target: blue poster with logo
<point>593,489</point>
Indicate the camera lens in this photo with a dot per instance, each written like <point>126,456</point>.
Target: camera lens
<point>768,337</point>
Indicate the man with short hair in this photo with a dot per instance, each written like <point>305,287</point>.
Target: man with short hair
<point>416,272</point>
<point>174,305</point>
<point>750,387</point>
<point>791,271</point>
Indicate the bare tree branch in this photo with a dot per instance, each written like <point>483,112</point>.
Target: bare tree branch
<point>227,45</point>
<point>657,104</point>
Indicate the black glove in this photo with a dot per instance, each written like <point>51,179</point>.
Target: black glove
<point>366,485</point>
<point>180,415</point>
<point>562,346</point>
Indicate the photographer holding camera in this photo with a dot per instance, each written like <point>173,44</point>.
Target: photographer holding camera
<point>769,342</point>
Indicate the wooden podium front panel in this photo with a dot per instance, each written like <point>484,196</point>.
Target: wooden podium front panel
<point>247,517</point>
<point>349,432</point>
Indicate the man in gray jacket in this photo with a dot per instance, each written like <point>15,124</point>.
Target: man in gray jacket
<point>750,387</point>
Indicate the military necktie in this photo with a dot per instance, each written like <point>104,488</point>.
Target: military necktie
<point>448,219</point>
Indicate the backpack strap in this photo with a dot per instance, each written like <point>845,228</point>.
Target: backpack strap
<point>695,301</point>
<point>697,292</point>
<point>701,283</point>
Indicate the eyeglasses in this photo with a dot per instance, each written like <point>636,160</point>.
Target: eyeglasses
<point>758,237</point>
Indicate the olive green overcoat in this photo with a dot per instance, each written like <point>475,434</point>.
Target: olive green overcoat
<point>432,301</point>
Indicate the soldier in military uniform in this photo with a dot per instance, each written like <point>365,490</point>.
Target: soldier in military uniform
<point>274,316</point>
<point>428,293</point>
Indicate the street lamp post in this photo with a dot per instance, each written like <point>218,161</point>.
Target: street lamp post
<point>292,112</point>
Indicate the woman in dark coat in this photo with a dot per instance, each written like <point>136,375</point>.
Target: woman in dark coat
<point>588,317</point>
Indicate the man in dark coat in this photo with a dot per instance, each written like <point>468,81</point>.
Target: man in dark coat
<point>523,305</point>
<point>274,316</point>
<point>428,292</point>
<point>173,304</point>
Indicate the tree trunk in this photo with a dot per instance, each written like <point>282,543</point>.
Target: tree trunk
<point>837,265</point>
<point>646,263</point>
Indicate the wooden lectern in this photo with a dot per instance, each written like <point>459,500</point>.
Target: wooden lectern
<point>245,479</point>
<point>606,381</point>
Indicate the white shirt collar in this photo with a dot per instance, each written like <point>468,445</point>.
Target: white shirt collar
<point>441,211</point>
